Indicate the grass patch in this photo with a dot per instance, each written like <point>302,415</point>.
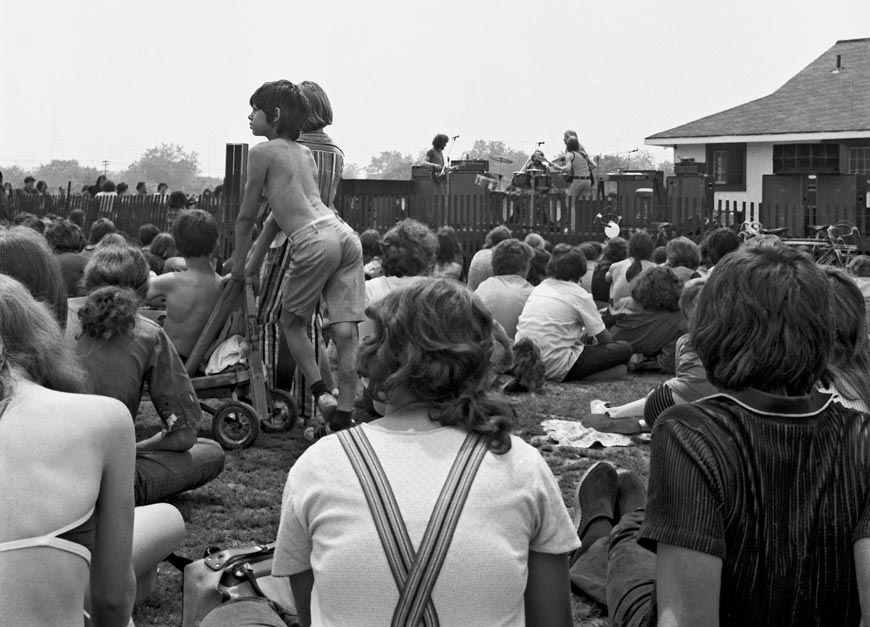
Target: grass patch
<point>242,506</point>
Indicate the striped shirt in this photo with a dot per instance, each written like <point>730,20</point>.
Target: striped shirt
<point>779,489</point>
<point>330,163</point>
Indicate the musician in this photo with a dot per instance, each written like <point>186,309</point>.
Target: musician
<point>578,169</point>
<point>435,158</point>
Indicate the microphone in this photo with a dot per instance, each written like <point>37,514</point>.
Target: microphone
<point>455,137</point>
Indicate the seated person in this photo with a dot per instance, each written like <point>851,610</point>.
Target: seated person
<point>689,384</point>
<point>448,258</point>
<point>591,253</point>
<point>683,257</point>
<point>408,252</point>
<point>99,229</point>
<point>67,241</point>
<point>161,249</point>
<point>562,319</point>
<point>623,274</point>
<point>480,267</point>
<point>506,293</point>
<point>650,319</point>
<point>371,246</point>
<point>191,295</point>
<point>122,351</point>
<point>758,496</point>
<point>147,233</point>
<point>615,250</point>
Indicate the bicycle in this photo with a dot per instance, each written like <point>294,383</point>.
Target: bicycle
<point>833,247</point>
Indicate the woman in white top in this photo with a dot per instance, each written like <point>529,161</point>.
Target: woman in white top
<point>507,564</point>
<point>622,274</point>
<point>66,502</point>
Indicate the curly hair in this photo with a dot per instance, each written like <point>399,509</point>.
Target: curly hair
<point>434,338</point>
<point>658,289</point>
<point>849,365</point>
<point>683,252</point>
<point>640,247</point>
<point>763,320</point>
<point>116,279</point>
<point>408,249</point>
<point>496,235</point>
<point>511,256</point>
<point>64,236</point>
<point>31,341</point>
<point>449,248</point>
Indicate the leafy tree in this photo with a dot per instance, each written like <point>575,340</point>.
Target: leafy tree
<point>15,175</point>
<point>350,171</point>
<point>59,172</point>
<point>633,160</point>
<point>167,163</point>
<point>391,164</point>
<point>483,149</point>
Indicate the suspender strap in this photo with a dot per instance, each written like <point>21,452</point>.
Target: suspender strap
<point>415,572</point>
<point>417,591</point>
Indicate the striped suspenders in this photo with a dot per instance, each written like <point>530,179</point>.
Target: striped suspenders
<point>415,573</point>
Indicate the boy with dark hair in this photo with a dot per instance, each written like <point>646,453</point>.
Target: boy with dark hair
<point>190,295</point>
<point>326,255</point>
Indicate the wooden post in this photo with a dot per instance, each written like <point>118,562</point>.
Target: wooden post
<point>235,177</point>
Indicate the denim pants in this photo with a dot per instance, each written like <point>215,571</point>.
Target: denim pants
<point>619,572</point>
<point>161,474</point>
<point>253,612</point>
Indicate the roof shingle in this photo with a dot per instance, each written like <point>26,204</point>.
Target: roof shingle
<point>817,99</point>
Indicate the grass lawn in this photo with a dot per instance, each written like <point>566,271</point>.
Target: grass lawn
<point>242,506</point>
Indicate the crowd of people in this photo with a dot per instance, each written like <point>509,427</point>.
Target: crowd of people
<point>757,507</point>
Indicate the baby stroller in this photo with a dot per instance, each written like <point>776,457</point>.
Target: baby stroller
<point>249,404</point>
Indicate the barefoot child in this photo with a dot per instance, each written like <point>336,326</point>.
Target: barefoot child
<point>326,255</point>
<point>190,295</point>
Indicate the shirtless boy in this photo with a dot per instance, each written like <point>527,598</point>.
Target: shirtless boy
<point>326,255</point>
<point>192,295</point>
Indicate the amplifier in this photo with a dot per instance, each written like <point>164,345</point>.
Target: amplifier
<point>421,172</point>
<point>471,165</point>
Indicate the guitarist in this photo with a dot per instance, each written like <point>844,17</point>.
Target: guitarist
<point>435,159</point>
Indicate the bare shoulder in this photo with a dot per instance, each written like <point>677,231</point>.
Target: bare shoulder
<point>98,416</point>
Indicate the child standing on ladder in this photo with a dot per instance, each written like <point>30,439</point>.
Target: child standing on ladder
<point>326,255</point>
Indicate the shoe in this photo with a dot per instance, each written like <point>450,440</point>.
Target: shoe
<point>327,405</point>
<point>595,497</point>
<point>314,432</point>
<point>598,406</point>
<point>631,493</point>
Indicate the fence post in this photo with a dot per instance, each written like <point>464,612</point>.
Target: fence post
<point>235,177</point>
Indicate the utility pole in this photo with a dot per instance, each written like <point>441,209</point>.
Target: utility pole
<point>105,166</point>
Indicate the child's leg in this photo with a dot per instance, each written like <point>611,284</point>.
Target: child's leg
<point>346,337</point>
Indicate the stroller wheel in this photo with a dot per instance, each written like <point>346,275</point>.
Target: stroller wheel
<point>283,415</point>
<point>235,425</point>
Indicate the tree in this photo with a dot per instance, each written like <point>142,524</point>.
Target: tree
<point>632,160</point>
<point>14,174</point>
<point>166,163</point>
<point>350,171</point>
<point>483,149</point>
<point>391,164</point>
<point>59,172</point>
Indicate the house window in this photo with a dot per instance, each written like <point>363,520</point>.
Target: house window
<point>806,159</point>
<point>859,160</point>
<point>727,166</point>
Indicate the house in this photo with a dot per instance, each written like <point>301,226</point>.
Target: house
<point>805,146</point>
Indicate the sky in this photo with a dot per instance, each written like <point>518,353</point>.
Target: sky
<point>96,80</point>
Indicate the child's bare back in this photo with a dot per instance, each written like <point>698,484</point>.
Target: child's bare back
<point>191,296</point>
<point>290,183</point>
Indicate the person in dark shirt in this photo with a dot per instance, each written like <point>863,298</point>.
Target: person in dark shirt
<point>759,496</point>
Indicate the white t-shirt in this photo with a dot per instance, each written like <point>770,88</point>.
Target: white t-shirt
<point>514,506</point>
<point>505,296</point>
<point>619,286</point>
<point>556,317</point>
<point>376,289</point>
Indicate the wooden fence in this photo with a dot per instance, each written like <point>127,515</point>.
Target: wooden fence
<point>555,217</point>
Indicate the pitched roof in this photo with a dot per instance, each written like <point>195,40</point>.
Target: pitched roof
<point>818,99</point>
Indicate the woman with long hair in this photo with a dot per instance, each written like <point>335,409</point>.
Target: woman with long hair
<point>428,362</point>
<point>449,261</point>
<point>622,274</point>
<point>121,352</point>
<point>66,507</point>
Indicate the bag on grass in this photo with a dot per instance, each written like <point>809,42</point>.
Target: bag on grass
<point>233,574</point>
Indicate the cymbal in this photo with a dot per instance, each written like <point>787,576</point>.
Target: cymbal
<point>500,159</point>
